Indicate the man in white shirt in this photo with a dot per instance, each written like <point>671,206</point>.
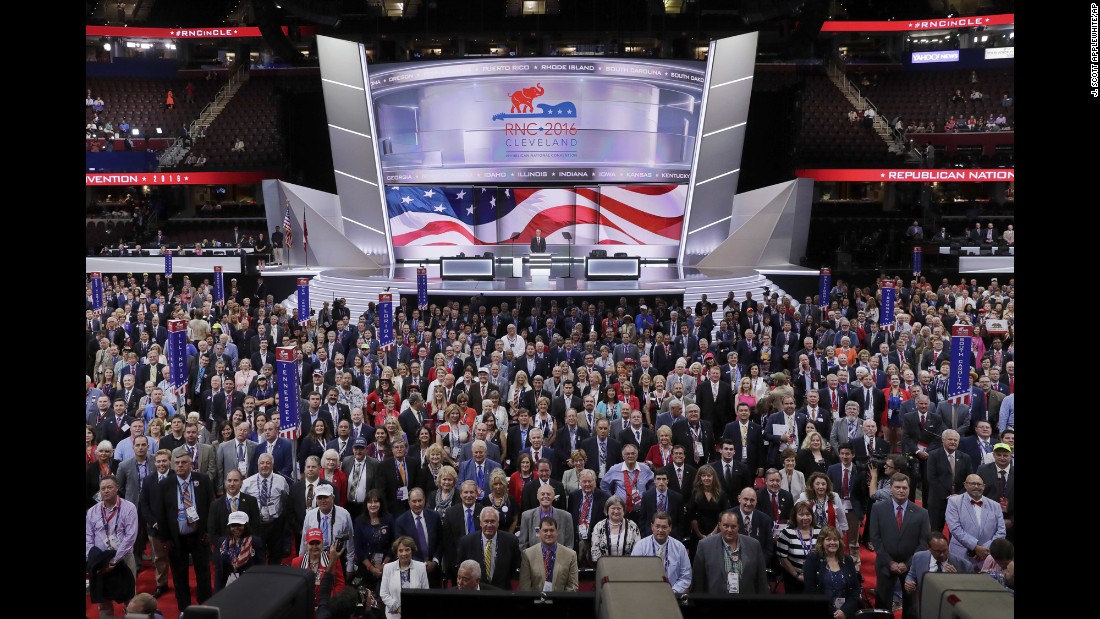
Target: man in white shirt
<point>629,482</point>
<point>272,492</point>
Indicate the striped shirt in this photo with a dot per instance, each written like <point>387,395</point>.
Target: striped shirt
<point>789,547</point>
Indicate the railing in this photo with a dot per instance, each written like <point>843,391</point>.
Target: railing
<point>833,69</point>
<point>174,153</point>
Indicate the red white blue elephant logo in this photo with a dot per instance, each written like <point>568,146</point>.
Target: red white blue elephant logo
<point>523,105</point>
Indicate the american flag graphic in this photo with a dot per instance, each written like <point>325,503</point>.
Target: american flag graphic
<point>286,227</point>
<point>608,215</point>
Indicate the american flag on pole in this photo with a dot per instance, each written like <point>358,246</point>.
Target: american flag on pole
<point>286,227</point>
<point>612,215</point>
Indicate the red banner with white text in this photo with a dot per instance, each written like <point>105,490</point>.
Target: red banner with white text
<point>108,179</point>
<point>907,25</point>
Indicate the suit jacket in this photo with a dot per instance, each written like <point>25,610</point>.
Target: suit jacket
<point>532,570</point>
<point>774,449</point>
<point>783,498</point>
<point>219,515</point>
<point>225,460</point>
<point>433,527</point>
<point>529,528</point>
<point>284,461</point>
<point>168,505</point>
<point>912,434</point>
<point>111,430</point>
<point>389,480</point>
<point>135,397</point>
<point>966,532</point>
<point>468,469</point>
<point>940,483</point>
<point>130,486</point>
<point>674,482</point>
<point>530,495</point>
<point>857,484</point>
<point>892,544</point>
<point>955,416</point>
<point>675,509</point>
<point>682,435</point>
<point>296,513</point>
<point>576,502</point>
<point>591,449</point>
<point>149,503</point>
<point>878,402</point>
<point>649,439</point>
<point>753,459</point>
<point>923,559</point>
<point>347,465</point>
<point>204,463</point>
<point>971,446</point>
<point>454,529</point>
<point>538,244</point>
<point>761,529</point>
<point>717,410</point>
<point>709,570</point>
<point>506,557</point>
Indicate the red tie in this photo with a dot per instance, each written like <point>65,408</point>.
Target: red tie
<point>973,502</point>
<point>922,422</point>
<point>835,403</point>
<point>899,517</point>
<point>844,485</point>
<point>775,507</point>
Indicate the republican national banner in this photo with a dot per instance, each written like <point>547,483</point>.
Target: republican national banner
<point>958,382</point>
<point>385,321</point>
<point>219,287</point>
<point>176,350</point>
<point>918,254</point>
<point>303,300</point>
<point>98,303</point>
<point>825,285</point>
<point>886,316</point>
<point>903,175</point>
<point>289,423</point>
<point>422,288</point>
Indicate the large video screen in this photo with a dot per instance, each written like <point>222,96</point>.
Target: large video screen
<point>542,121</point>
<point>636,215</point>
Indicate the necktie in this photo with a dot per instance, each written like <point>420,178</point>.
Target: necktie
<point>680,477</point>
<point>851,429</point>
<point>469,520</point>
<point>775,507</point>
<point>922,421</point>
<point>638,436</point>
<point>661,552</point>
<point>836,405</point>
<point>603,453</point>
<point>240,452</point>
<point>309,495</point>
<point>973,502</point>
<point>661,503</point>
<point>401,471</point>
<point>951,461</point>
<point>489,558</point>
<point>421,535</point>
<point>325,530</point>
<point>729,477</point>
<point>480,478</point>
<point>263,493</point>
<point>1004,481</point>
<point>141,476</point>
<point>235,508</point>
<point>939,566</point>
<point>355,475</point>
<point>899,517</point>
<point>871,447</point>
<point>844,485</point>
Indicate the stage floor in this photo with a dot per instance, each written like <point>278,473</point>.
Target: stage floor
<point>360,286</point>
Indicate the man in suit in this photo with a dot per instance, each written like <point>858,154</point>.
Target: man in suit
<point>806,378</point>
<point>396,476</point>
<point>974,521</point>
<point>425,527</point>
<point>601,451</point>
<point>847,428</point>
<point>992,401</point>
<point>116,427</point>
<point>710,573</point>
<point>460,519</point>
<point>543,467</point>
<point>755,523</point>
<point>202,455</point>
<point>899,528</point>
<point>309,415</point>
<point>530,519</point>
<point>279,449</point>
<point>233,501</point>
<point>871,401</point>
<point>696,436</point>
<point>538,243</point>
<point>979,446</point>
<point>237,454</point>
<point>638,435</point>
<point>731,473</point>
<point>496,551</point>
<point>747,439</point>
<point>478,467</point>
<point>920,431</point>
<point>130,394</point>
<point>362,472</point>
<point>681,475</point>
<point>955,416</point>
<point>947,471</point>
<point>715,398</point>
<point>548,554</point>
<point>794,431</point>
<point>184,514</point>
<point>850,482</point>
<point>661,499</point>
<point>773,499</point>
<point>132,475</point>
<point>586,506</point>
<point>570,437</point>
<point>149,514</point>
<point>938,558</point>
<point>999,477</point>
<point>302,496</point>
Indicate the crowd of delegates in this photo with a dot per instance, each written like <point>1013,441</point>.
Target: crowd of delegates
<point>534,438</point>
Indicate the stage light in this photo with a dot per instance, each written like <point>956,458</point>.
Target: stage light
<point>107,47</point>
<point>135,131</point>
<point>159,131</point>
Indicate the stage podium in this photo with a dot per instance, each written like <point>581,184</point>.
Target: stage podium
<point>539,263</point>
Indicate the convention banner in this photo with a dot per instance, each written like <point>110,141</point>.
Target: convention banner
<point>918,254</point>
<point>303,300</point>
<point>824,287</point>
<point>385,321</point>
<point>176,350</point>
<point>422,288</point>
<point>958,382</point>
<point>98,303</point>
<point>886,316</point>
<point>288,392</point>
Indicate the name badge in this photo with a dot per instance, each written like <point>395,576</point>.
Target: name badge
<point>242,467</point>
<point>698,449</point>
<point>112,542</point>
<point>582,531</point>
<point>125,427</point>
<point>838,602</point>
<point>192,515</point>
<point>376,560</point>
<point>733,585</point>
<point>847,505</point>
<point>548,586</point>
<point>402,493</point>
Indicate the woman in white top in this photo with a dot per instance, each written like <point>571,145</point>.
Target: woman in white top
<point>517,392</point>
<point>615,535</point>
<point>791,480</point>
<point>404,573</point>
<point>759,387</point>
<point>827,505</point>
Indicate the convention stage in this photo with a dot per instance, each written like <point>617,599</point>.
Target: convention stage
<point>361,286</point>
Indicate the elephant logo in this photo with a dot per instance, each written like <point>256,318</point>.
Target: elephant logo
<point>522,98</point>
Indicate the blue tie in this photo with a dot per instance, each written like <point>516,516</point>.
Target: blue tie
<point>263,493</point>
<point>469,520</point>
<point>325,529</point>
